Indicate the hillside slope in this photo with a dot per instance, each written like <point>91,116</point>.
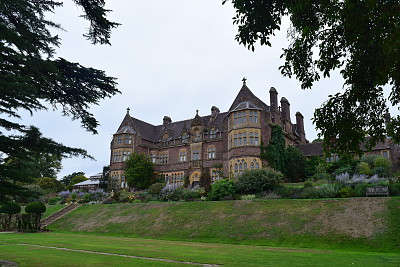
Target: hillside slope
<point>358,223</point>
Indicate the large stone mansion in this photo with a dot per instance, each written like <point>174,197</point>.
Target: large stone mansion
<point>225,144</point>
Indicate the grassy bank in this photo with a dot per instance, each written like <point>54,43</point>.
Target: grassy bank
<point>363,224</point>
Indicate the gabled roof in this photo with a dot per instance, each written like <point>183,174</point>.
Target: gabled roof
<point>245,95</point>
<point>153,133</point>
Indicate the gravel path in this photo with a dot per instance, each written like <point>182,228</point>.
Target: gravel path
<point>120,255</point>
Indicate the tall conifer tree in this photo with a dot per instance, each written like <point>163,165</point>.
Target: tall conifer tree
<point>32,79</point>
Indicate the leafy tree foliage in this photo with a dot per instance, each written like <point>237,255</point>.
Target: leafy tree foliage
<point>289,161</point>
<point>295,165</point>
<point>139,171</point>
<point>31,79</point>
<point>275,151</point>
<point>358,38</point>
<point>50,184</point>
<point>66,180</point>
<point>46,165</point>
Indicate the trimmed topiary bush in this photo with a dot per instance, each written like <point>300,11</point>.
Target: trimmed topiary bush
<point>7,221</point>
<point>223,189</point>
<point>10,208</point>
<point>258,180</point>
<point>35,208</point>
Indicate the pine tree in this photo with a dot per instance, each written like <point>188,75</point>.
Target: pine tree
<point>32,79</point>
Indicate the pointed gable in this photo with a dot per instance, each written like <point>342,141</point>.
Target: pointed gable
<point>246,99</point>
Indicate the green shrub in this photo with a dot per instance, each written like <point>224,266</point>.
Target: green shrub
<point>174,194</point>
<point>310,192</point>
<point>190,195</point>
<point>258,180</point>
<point>289,192</point>
<point>222,189</point>
<point>10,208</point>
<point>155,189</point>
<point>86,198</point>
<point>344,169</point>
<point>394,189</point>
<point>124,196</point>
<point>35,208</point>
<point>283,191</point>
<point>383,166</point>
<point>307,184</point>
<point>364,168</point>
<point>360,190</point>
<point>346,192</point>
<point>369,159</point>
<point>53,200</point>
<point>328,190</point>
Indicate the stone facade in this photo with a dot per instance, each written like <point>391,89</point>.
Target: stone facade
<point>224,144</point>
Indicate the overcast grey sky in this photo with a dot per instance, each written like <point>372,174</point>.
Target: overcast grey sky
<point>171,58</point>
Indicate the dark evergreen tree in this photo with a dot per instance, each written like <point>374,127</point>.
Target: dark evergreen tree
<point>104,179</point>
<point>139,171</point>
<point>295,165</point>
<point>275,151</point>
<point>358,38</point>
<point>32,79</point>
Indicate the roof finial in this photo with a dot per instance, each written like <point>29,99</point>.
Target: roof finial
<point>197,112</point>
<point>127,110</point>
<point>244,80</point>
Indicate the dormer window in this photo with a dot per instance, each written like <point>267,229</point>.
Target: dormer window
<point>185,138</point>
<point>213,133</point>
<point>165,139</point>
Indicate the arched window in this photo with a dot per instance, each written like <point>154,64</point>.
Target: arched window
<point>245,165</point>
<point>252,165</point>
<point>257,165</point>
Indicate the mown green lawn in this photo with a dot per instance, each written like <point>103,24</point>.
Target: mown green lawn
<point>211,253</point>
